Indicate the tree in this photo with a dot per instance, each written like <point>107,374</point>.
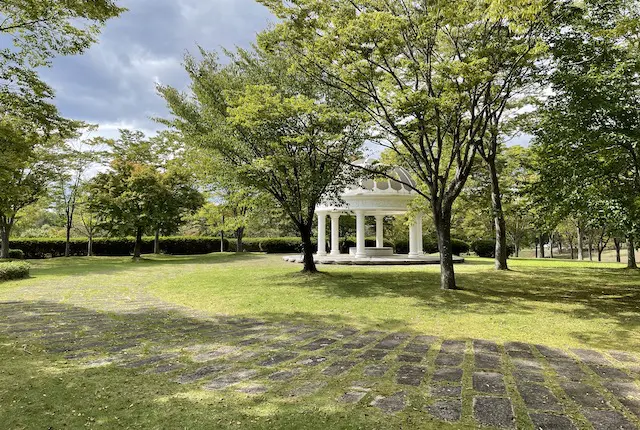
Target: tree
<point>139,194</point>
<point>27,165</point>
<point>78,158</point>
<point>34,32</point>
<point>285,135</point>
<point>431,76</point>
<point>589,129</point>
<point>88,225</point>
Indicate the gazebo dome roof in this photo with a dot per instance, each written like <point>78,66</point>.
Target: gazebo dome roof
<point>384,185</point>
<point>376,196</point>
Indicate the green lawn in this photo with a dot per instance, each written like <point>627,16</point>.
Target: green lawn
<point>555,303</point>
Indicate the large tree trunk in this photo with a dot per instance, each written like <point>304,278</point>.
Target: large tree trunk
<point>571,249</point>
<point>239,236</point>
<point>5,231</point>
<point>221,240</point>
<point>631,251</point>
<point>517,242</point>
<point>541,246</point>
<point>90,246</point>
<point>156,242</point>
<point>551,245</point>
<point>580,243</point>
<point>307,249</point>
<point>617,244</point>
<point>67,245</point>
<point>498,218</point>
<point>590,247</point>
<point>137,249</point>
<point>443,229</point>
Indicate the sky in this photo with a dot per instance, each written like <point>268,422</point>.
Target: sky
<point>113,83</point>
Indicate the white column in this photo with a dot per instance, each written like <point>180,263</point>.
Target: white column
<point>379,231</point>
<point>335,234</point>
<point>322,234</point>
<point>360,234</point>
<point>420,246</point>
<point>413,242</point>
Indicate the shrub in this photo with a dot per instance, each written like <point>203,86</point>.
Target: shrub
<point>487,248</point>
<point>16,254</point>
<point>46,248</point>
<point>13,270</point>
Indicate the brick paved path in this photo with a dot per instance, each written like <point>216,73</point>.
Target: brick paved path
<point>449,379</point>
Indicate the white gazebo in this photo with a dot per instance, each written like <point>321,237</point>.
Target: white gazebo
<point>375,198</point>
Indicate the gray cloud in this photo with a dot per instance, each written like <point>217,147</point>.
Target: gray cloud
<point>113,83</point>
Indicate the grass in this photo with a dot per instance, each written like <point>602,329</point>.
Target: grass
<point>557,303</point>
<point>554,302</point>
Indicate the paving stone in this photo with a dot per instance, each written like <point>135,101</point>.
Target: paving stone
<point>202,372</point>
<point>569,370</point>
<point>517,346</point>
<point>253,389</point>
<point>346,333</point>
<point>338,368</point>
<point>449,359</point>
<point>632,404</point>
<point>494,411</point>
<point>445,390</point>
<point>306,335</point>
<point>528,355</point>
<point>453,346</point>
<point>528,376</point>
<point>488,382</point>
<point>607,420</point>
<point>391,404</point>
<point>411,375</point>
<point>539,397</point>
<point>608,372</point>
<point>318,344</point>
<point>284,375</point>
<point>352,396</point>
<point>166,368</point>
<point>215,354</point>
<point>425,339</point>
<point>623,389</point>
<point>584,395</point>
<point>409,358</point>
<point>392,341</point>
<point>485,360</point>
<point>147,361</point>
<point>376,370</point>
<point>447,374</point>
<point>527,364</point>
<point>417,348</point>
<point>624,357</point>
<point>485,346</point>
<point>277,359</point>
<point>230,379</point>
<point>312,361</point>
<point>360,342</point>
<point>374,354</point>
<point>340,352</point>
<point>446,410</point>
<point>591,357</point>
<point>308,388</point>
<point>551,422</point>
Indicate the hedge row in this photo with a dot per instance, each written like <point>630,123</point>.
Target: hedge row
<point>487,248</point>
<point>270,245</point>
<point>46,248</point>
<point>430,246</point>
<point>13,270</point>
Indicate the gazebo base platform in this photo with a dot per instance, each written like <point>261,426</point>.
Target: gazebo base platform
<point>390,260</point>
